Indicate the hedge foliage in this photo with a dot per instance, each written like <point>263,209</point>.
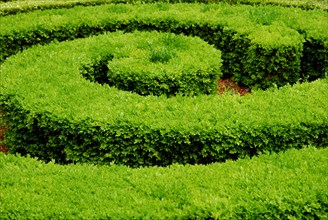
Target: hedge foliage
<point>290,185</point>
<point>261,46</point>
<point>9,7</point>
<point>153,63</point>
<point>69,119</point>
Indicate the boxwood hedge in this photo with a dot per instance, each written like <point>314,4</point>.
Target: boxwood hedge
<point>291,185</point>
<point>153,63</point>
<point>54,113</point>
<point>261,46</point>
<point>9,7</point>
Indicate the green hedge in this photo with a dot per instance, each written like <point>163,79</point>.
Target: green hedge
<point>259,46</point>
<point>23,6</point>
<point>66,118</point>
<point>154,64</point>
<point>292,185</point>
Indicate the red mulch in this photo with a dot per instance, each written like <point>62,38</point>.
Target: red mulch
<point>3,149</point>
<point>228,85</point>
<point>2,146</point>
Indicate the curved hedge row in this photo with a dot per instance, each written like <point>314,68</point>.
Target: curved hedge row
<point>245,189</point>
<point>154,64</point>
<point>23,6</point>
<point>261,46</point>
<point>68,119</point>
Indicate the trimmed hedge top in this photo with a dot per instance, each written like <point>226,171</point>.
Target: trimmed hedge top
<point>261,46</point>
<point>153,63</point>
<point>289,185</point>
<point>66,118</point>
<point>10,7</point>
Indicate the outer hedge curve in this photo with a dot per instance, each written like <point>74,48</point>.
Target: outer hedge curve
<point>10,8</point>
<point>289,185</point>
<point>240,129</point>
<point>270,45</point>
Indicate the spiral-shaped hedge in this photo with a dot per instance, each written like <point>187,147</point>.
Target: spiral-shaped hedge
<point>150,63</point>
<point>53,112</point>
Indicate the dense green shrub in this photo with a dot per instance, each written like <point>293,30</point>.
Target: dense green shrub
<point>54,113</point>
<point>10,7</point>
<point>291,185</point>
<point>254,45</point>
<point>66,118</point>
<point>154,64</point>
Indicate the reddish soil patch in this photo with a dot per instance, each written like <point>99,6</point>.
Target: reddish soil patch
<point>228,85</point>
<point>2,146</point>
<point>3,149</point>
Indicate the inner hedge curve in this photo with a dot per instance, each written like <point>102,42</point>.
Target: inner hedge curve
<point>107,125</point>
<point>156,64</point>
